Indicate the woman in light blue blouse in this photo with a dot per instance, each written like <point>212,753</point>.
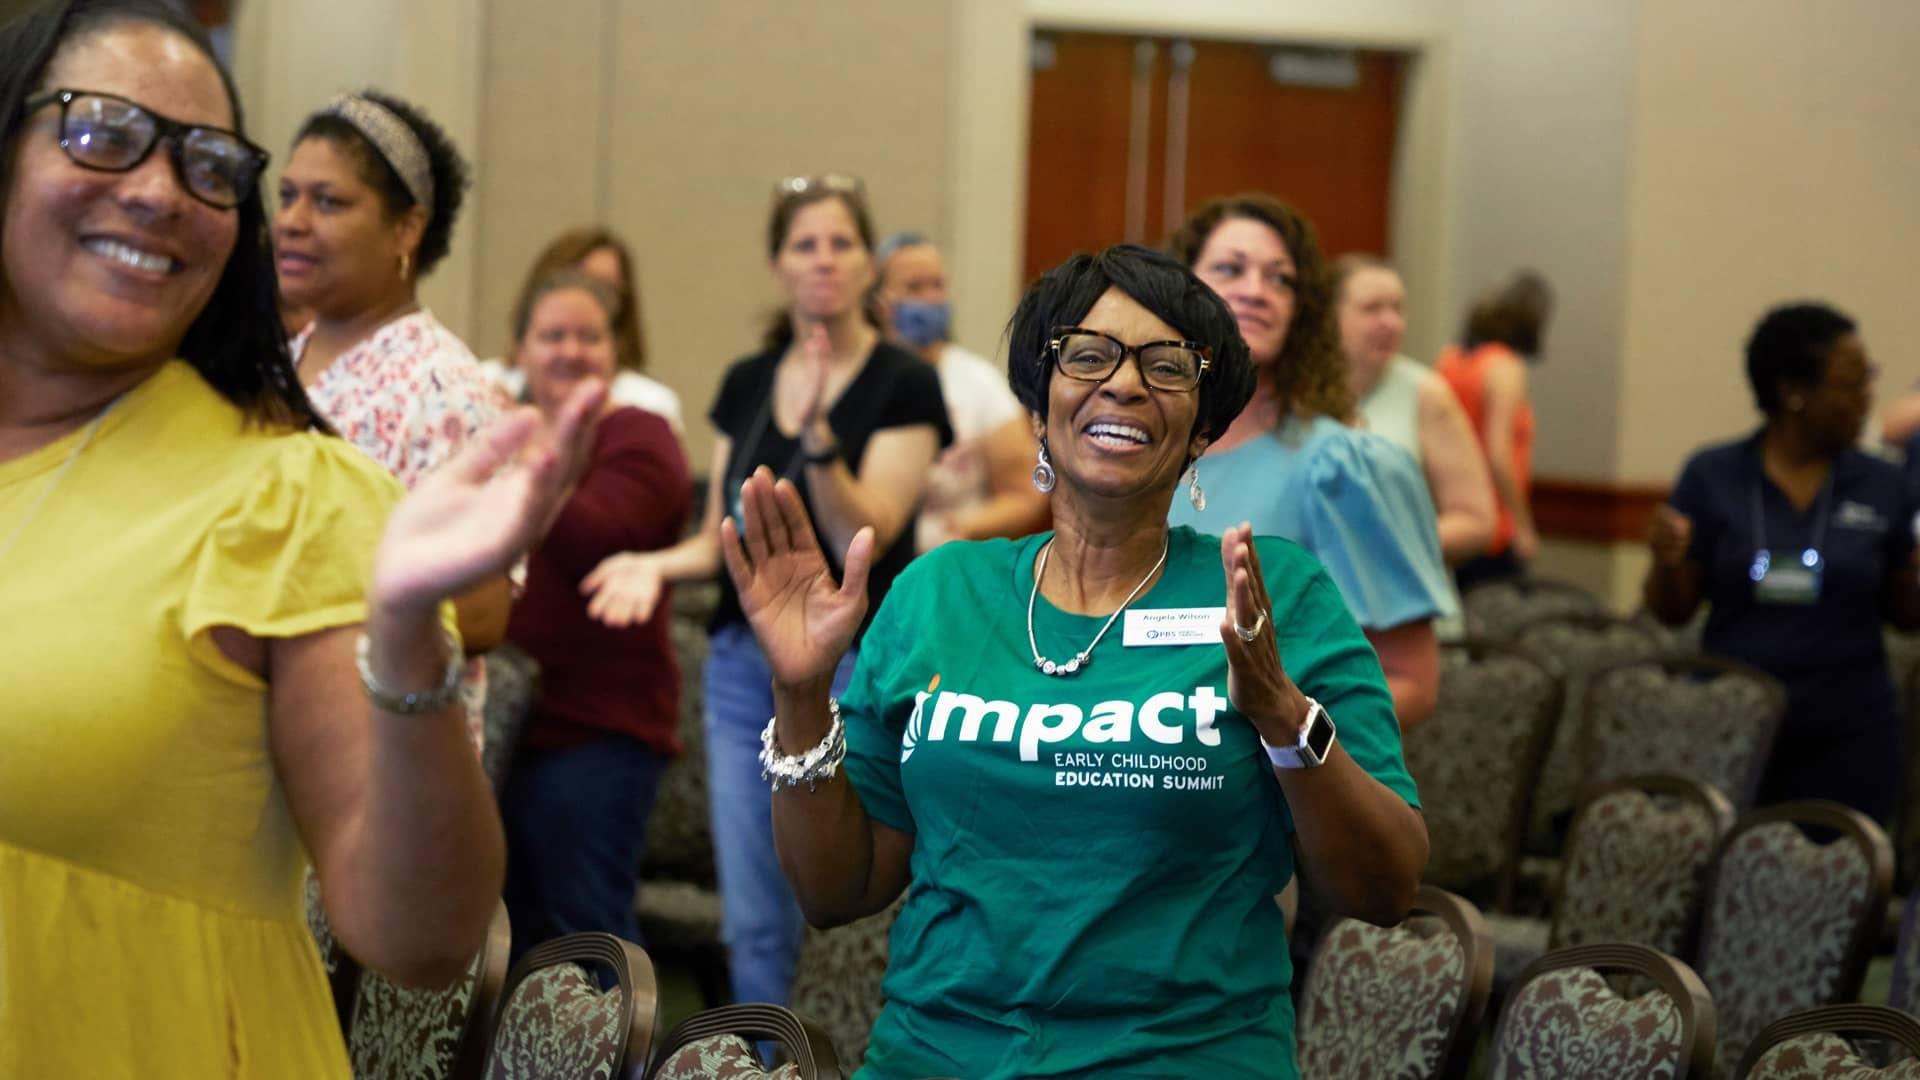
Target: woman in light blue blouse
<point>1292,466</point>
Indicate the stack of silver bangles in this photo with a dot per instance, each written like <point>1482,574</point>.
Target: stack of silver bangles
<point>810,768</point>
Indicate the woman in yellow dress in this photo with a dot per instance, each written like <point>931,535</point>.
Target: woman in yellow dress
<point>188,563</point>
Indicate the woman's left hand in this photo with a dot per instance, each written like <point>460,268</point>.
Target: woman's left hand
<point>1257,683</point>
<point>468,520</point>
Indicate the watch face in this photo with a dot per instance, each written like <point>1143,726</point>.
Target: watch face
<point>1320,738</point>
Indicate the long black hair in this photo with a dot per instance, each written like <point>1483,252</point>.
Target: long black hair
<point>237,342</point>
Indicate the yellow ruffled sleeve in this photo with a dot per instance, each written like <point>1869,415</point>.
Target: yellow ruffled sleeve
<point>293,553</point>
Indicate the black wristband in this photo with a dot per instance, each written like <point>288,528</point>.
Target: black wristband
<point>826,455</point>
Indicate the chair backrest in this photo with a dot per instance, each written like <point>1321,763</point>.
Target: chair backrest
<point>1475,758</point>
<point>1905,991</point>
<point>836,981</point>
<point>513,680</point>
<point>1403,1001</point>
<point>1696,716</point>
<point>555,1020</point>
<point>1789,922</point>
<point>1574,646</point>
<point>1636,864</point>
<point>402,1032</point>
<point>1496,610</point>
<point>343,971</point>
<point>714,1045</point>
<point>1565,1018</point>
<point>679,843</point>
<point>1812,1045</point>
<point>1906,671</point>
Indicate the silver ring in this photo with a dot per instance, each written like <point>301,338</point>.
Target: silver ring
<point>1249,633</point>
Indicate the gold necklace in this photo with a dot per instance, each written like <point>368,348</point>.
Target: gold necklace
<point>86,437</point>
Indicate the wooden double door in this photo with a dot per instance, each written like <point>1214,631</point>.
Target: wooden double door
<point>1128,134</point>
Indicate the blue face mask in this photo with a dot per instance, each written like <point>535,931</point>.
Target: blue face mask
<point>919,324</point>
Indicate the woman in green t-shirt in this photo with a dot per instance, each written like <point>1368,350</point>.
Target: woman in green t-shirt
<point>1090,818</point>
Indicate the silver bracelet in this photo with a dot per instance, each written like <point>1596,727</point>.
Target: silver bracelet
<point>810,768</point>
<point>414,703</point>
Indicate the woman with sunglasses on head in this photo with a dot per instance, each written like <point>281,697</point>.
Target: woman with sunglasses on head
<point>1291,463</point>
<point>854,423</point>
<point>601,255</point>
<point>368,201</point>
<point>1089,818</point>
<point>219,668</point>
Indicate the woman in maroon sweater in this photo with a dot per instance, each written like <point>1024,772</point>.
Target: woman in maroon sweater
<point>604,723</point>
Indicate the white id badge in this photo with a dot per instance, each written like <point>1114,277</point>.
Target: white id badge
<point>1172,626</point>
<point>1788,578</point>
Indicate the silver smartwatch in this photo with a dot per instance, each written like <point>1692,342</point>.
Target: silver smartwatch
<point>1312,748</point>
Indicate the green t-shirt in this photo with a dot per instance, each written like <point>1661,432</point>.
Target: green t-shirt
<point>1095,857</point>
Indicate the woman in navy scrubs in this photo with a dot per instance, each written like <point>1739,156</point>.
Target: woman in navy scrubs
<point>1801,544</point>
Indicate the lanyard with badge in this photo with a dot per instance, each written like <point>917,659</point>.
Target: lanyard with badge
<point>1787,577</point>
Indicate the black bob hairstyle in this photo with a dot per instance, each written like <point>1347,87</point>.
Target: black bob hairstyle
<point>450,173</point>
<point>237,342</point>
<point>1156,281</point>
<point>1791,344</point>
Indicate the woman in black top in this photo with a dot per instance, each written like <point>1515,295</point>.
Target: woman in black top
<point>856,424</point>
<point>1801,544</point>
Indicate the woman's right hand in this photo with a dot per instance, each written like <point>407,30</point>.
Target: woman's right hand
<point>804,621</point>
<point>1669,535</point>
<point>625,588</point>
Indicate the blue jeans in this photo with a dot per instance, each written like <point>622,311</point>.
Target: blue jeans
<point>759,918</point>
<point>576,822</point>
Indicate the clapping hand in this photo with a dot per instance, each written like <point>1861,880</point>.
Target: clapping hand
<point>803,620</point>
<point>1669,535</point>
<point>1257,683</point>
<point>470,519</point>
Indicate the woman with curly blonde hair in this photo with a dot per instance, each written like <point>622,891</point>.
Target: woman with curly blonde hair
<point>1290,463</point>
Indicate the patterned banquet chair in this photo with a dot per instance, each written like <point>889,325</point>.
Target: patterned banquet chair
<point>1789,923</point>
<point>1565,1018</point>
<point>1696,716</point>
<point>1474,760</point>
<point>1397,1003</point>
<point>1574,646</point>
<point>343,971</point>
<point>1636,864</point>
<point>556,1023</point>
<point>1904,994</point>
<point>513,678</point>
<point>678,902</point>
<point>836,981</point>
<point>405,1034</point>
<point>1811,1045</point>
<point>714,1045</point>
<point>1496,610</point>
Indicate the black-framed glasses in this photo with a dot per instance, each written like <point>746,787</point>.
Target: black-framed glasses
<point>795,187</point>
<point>109,133</point>
<point>1091,356</point>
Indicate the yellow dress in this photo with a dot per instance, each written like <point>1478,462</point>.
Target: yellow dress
<point>150,874</point>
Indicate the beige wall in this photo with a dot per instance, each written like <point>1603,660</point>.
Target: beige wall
<point>1776,156</point>
<point>672,122</point>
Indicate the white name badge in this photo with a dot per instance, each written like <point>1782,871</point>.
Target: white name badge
<point>1173,626</point>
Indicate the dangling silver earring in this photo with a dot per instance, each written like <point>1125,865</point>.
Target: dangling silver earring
<point>1043,477</point>
<point>1194,495</point>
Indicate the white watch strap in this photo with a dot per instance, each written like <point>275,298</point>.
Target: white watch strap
<point>1296,755</point>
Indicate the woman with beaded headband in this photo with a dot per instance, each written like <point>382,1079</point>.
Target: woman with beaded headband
<point>368,201</point>
<point>855,423</point>
<point>1089,818</point>
<point>192,568</point>
<point>1293,466</point>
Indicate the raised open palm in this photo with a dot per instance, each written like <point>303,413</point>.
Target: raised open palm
<point>468,520</point>
<point>804,620</point>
